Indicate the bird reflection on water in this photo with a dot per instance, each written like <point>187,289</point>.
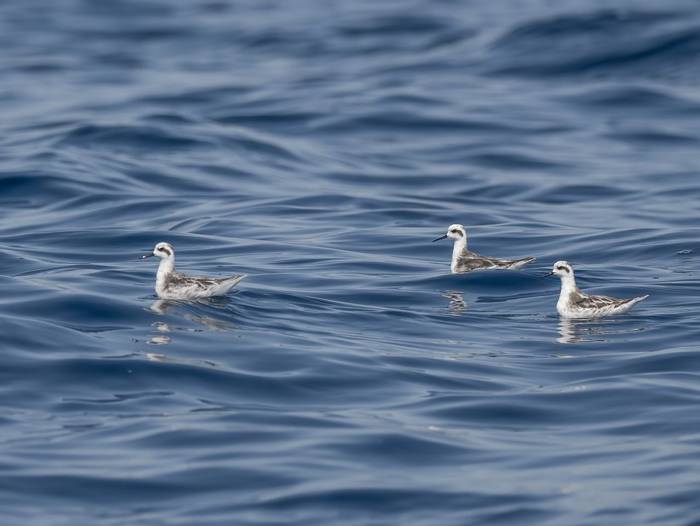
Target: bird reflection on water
<point>457,304</point>
<point>163,329</point>
<point>595,330</point>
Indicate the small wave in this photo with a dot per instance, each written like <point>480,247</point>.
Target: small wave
<point>138,138</point>
<point>608,43</point>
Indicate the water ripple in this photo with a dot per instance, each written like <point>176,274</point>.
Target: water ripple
<point>350,379</point>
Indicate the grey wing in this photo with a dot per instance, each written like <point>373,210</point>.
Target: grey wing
<point>472,261</point>
<point>586,301</point>
<point>194,282</point>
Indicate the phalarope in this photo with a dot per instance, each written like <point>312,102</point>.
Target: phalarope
<point>576,304</point>
<point>464,260</point>
<point>171,285</point>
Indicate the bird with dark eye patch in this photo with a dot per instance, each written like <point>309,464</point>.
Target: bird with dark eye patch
<point>576,304</point>
<point>463,260</point>
<point>171,285</point>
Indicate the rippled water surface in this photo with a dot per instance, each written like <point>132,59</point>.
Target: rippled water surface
<point>318,146</point>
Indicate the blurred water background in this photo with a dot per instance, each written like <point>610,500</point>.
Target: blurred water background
<point>318,146</point>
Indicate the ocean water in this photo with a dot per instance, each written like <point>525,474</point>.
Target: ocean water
<point>319,146</point>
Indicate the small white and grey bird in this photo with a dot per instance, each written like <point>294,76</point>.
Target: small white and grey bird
<point>171,285</point>
<point>576,304</point>
<point>463,260</point>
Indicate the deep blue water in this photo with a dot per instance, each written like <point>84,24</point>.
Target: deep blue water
<point>319,146</point>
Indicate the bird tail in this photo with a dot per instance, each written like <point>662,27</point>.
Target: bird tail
<point>636,300</point>
<point>520,262</point>
<point>228,283</point>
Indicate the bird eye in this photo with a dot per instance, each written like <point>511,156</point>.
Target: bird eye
<point>562,267</point>
<point>454,231</point>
